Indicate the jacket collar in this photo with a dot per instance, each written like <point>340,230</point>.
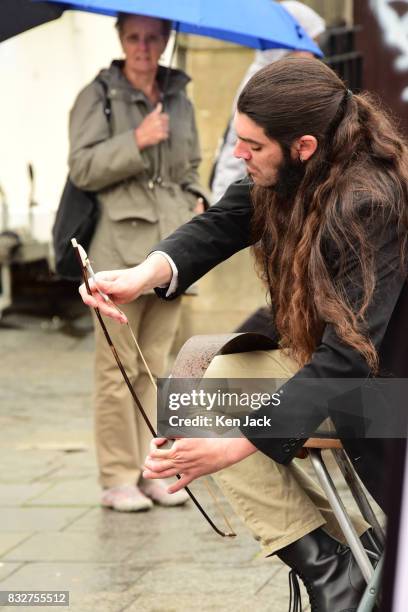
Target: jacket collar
<point>171,79</point>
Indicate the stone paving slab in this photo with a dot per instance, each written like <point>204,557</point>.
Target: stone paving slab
<point>57,546</point>
<point>36,519</point>
<point>181,549</point>
<point>75,465</point>
<point>84,492</point>
<point>9,540</point>
<point>76,576</point>
<point>46,439</point>
<point>92,586</point>
<point>104,601</point>
<point>25,467</point>
<point>16,494</point>
<point>177,534</point>
<point>191,579</point>
<point>7,568</point>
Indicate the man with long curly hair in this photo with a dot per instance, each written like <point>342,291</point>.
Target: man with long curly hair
<point>326,209</point>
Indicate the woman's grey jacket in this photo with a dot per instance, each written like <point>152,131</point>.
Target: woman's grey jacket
<point>143,195</point>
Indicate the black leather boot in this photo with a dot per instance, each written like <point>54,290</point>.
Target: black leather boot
<point>328,570</point>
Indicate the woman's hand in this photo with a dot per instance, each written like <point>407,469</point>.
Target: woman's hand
<point>194,457</point>
<point>153,129</point>
<point>123,286</point>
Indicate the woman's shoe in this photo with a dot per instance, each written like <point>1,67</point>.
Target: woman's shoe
<point>125,498</point>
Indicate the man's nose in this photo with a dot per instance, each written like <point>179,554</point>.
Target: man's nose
<point>241,151</point>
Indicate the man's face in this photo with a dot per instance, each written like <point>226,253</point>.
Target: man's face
<point>263,156</point>
<point>143,42</point>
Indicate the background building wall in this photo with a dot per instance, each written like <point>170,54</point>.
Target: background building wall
<point>41,72</point>
<point>333,11</point>
<point>383,41</point>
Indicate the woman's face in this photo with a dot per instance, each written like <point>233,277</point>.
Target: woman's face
<point>143,42</point>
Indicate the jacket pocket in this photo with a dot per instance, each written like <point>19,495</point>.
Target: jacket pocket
<point>134,239</point>
<point>125,211</point>
<point>132,200</point>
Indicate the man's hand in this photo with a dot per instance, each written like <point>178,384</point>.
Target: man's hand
<point>153,129</point>
<point>123,286</point>
<point>194,457</point>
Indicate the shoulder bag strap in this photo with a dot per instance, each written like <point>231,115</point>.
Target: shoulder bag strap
<point>107,107</point>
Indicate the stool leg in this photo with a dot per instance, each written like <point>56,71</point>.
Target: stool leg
<point>370,596</point>
<point>347,469</point>
<point>340,512</point>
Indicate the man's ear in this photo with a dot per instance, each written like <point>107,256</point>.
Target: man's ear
<point>304,147</point>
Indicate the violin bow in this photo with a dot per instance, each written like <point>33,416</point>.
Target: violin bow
<point>87,272</point>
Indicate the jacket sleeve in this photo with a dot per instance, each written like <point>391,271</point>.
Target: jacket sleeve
<point>97,159</point>
<point>191,181</point>
<point>304,407</point>
<point>210,238</point>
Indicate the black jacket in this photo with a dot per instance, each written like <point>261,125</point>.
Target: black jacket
<point>223,230</point>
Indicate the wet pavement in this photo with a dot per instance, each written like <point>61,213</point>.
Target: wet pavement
<point>54,535</point>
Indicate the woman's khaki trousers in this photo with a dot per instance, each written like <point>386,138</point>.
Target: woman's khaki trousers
<point>121,436</point>
<point>278,504</point>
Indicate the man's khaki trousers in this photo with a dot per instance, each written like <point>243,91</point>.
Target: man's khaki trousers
<point>278,504</point>
<point>121,435</point>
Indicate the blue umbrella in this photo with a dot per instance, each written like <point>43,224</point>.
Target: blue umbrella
<point>261,24</point>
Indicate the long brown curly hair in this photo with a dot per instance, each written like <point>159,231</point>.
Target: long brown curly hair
<point>361,157</point>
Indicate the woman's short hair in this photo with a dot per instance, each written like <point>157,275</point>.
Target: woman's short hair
<point>122,17</point>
